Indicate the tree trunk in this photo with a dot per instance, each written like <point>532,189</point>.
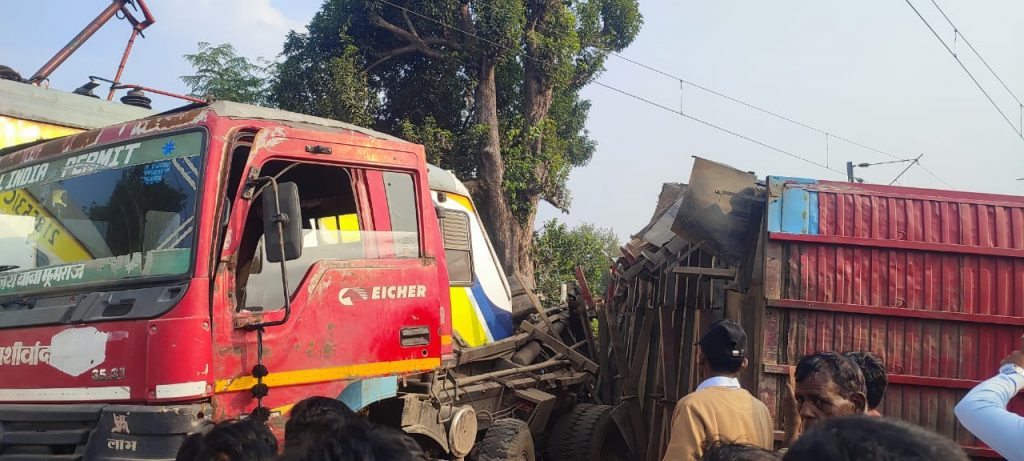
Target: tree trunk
<point>537,96</point>
<point>501,224</point>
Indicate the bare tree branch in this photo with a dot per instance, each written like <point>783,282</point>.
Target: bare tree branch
<point>400,32</point>
<point>415,42</point>
<point>392,53</point>
<point>408,22</point>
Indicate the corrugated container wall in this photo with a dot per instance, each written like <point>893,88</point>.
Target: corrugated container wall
<point>932,281</point>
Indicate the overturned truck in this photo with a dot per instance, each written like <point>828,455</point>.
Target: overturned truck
<point>932,281</point>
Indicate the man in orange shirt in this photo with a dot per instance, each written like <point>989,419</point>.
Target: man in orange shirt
<point>719,410</point>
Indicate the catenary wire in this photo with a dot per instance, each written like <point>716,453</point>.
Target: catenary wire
<point>968,71</point>
<point>956,30</point>
<point>623,92</point>
<point>683,81</point>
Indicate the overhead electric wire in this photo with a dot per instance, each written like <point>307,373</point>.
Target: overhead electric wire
<point>626,93</point>
<point>912,163</point>
<point>752,106</point>
<point>968,71</point>
<point>828,134</point>
<point>712,125</point>
<point>956,31</point>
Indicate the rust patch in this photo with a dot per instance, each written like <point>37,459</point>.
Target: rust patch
<point>267,138</point>
<point>328,350</point>
<point>150,125</point>
<point>106,135</point>
<point>81,141</point>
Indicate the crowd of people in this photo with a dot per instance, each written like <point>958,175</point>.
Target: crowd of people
<point>319,429</point>
<point>830,412</point>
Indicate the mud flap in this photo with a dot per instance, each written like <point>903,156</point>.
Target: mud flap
<point>360,394</point>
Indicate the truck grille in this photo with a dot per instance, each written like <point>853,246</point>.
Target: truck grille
<point>46,432</point>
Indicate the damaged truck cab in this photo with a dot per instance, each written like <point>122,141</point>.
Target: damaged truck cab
<point>140,295</point>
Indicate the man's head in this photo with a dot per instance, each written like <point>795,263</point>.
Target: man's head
<point>827,385</point>
<point>864,438</point>
<point>352,439</point>
<point>723,348</point>
<point>245,440</point>
<point>875,377</point>
<point>312,412</point>
<point>730,451</point>
<point>190,448</point>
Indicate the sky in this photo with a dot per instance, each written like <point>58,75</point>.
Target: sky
<point>868,71</point>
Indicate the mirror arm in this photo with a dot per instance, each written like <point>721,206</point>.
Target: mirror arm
<point>259,371</point>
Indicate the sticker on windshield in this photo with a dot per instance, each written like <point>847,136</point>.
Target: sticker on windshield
<point>157,262</point>
<point>154,172</point>
<point>137,153</point>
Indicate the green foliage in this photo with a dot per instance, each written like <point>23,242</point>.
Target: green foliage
<point>557,250</point>
<point>221,73</point>
<point>341,68</point>
<point>322,73</point>
<point>414,68</point>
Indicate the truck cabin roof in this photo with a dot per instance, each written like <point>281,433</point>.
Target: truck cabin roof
<point>185,116</point>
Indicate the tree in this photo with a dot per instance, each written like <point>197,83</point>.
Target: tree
<point>490,86</point>
<point>557,250</point>
<point>221,73</point>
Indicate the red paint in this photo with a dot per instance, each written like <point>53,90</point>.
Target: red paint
<point>932,281</point>
<point>197,339</point>
<point>899,244</point>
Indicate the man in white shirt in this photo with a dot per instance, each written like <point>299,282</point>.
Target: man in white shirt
<point>983,410</point>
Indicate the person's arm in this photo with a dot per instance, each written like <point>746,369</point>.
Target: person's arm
<point>791,422</point>
<point>688,434</point>
<point>983,412</point>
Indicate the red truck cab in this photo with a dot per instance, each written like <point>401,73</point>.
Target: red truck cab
<point>134,278</point>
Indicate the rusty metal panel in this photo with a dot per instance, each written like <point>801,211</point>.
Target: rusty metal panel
<point>716,209</point>
<point>931,281</point>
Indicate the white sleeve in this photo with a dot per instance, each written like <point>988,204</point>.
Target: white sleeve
<point>983,412</point>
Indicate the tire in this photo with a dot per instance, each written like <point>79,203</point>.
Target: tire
<point>587,433</point>
<point>506,440</point>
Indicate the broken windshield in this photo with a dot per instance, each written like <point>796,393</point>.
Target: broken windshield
<point>116,212</point>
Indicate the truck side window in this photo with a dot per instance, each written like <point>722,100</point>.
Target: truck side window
<point>332,230</point>
<point>401,195</point>
<point>458,248</point>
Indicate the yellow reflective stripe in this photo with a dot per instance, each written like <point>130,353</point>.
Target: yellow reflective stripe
<point>446,340</point>
<point>319,375</point>
<point>464,201</point>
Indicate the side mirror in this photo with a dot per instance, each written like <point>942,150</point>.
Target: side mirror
<point>289,215</point>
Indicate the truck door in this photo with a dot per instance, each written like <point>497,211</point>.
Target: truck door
<point>364,293</point>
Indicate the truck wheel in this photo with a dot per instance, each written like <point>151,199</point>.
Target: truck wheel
<point>506,440</point>
<point>587,433</point>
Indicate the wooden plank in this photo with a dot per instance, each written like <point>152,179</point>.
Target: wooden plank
<point>576,358</point>
<point>715,273</point>
<point>669,340</point>
<point>584,316</point>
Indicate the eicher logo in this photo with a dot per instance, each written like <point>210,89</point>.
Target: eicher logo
<point>346,300</point>
<point>348,295</point>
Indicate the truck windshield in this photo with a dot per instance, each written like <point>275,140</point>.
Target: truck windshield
<point>107,214</point>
